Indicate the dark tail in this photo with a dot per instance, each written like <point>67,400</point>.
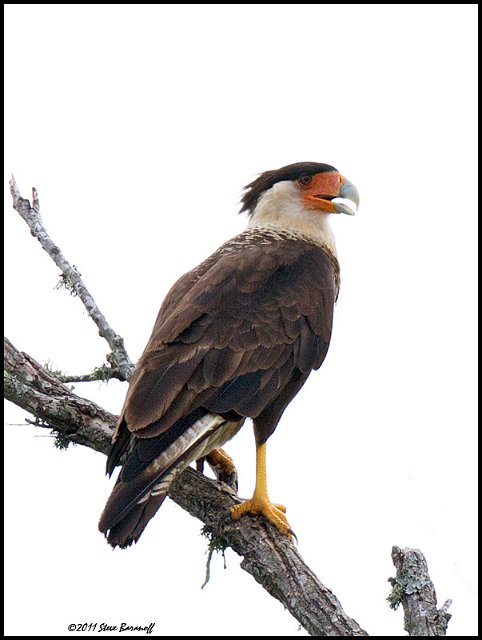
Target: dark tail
<point>132,504</point>
<point>148,473</point>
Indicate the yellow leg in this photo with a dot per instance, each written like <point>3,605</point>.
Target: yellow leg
<point>260,502</point>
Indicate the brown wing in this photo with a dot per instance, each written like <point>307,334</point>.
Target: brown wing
<point>238,337</point>
<point>230,334</point>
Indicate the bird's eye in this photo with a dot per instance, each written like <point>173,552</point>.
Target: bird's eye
<point>306,179</point>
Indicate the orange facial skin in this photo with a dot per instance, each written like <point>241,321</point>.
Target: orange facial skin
<point>323,185</point>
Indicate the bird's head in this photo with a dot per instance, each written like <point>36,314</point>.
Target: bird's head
<point>303,187</point>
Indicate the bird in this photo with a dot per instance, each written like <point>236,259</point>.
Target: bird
<point>235,339</point>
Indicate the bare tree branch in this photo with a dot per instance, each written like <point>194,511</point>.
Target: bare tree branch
<point>104,373</point>
<point>31,387</point>
<point>71,277</point>
<point>268,556</point>
<point>413,588</point>
<point>85,377</point>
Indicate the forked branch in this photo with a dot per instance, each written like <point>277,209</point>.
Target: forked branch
<point>70,276</point>
<point>268,556</point>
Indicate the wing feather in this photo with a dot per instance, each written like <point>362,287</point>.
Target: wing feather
<point>230,334</point>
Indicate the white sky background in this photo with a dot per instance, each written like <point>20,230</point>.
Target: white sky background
<point>139,126</point>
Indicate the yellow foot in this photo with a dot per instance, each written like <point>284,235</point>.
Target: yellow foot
<point>219,458</point>
<point>275,513</point>
<point>223,466</point>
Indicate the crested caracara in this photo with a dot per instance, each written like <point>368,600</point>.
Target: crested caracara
<point>235,338</point>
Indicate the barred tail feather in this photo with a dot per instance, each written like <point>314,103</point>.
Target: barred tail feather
<point>136,498</point>
<point>128,526</point>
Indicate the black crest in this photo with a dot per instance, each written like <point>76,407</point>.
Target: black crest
<point>266,180</point>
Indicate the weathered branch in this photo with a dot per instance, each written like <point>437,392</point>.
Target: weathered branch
<point>70,276</point>
<point>413,588</point>
<point>31,387</point>
<point>104,373</point>
<point>268,556</point>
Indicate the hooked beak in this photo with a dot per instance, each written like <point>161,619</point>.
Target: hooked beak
<point>348,191</point>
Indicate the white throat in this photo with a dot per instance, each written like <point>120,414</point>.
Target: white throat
<point>281,207</point>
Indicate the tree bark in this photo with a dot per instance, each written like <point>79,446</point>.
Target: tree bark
<point>74,419</point>
<point>414,589</point>
<point>268,556</point>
